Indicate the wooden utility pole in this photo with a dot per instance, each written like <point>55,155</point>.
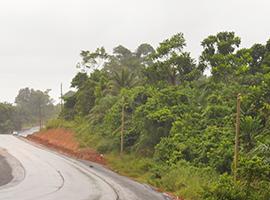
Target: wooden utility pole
<point>61,96</point>
<point>40,117</point>
<point>122,126</point>
<point>237,135</point>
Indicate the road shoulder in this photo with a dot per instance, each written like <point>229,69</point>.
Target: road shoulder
<point>11,170</point>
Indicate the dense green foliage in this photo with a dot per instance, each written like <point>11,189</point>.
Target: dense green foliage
<point>179,118</point>
<point>9,120</point>
<point>31,108</point>
<point>35,105</point>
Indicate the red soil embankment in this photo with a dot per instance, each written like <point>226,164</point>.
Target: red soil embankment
<point>64,141</point>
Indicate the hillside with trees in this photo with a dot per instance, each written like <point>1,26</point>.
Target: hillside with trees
<point>173,125</point>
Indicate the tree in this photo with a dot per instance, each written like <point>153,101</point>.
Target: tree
<point>68,113</point>
<point>250,128</point>
<point>171,64</point>
<point>93,60</point>
<point>218,56</point>
<point>144,50</point>
<point>124,58</point>
<point>257,53</point>
<point>122,53</point>
<point>35,105</point>
<point>119,81</point>
<point>9,120</point>
<point>79,80</point>
<point>123,79</point>
<point>143,53</point>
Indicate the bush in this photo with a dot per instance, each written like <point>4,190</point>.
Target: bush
<point>107,145</point>
<point>184,180</point>
<point>224,189</point>
<point>60,123</point>
<point>131,165</point>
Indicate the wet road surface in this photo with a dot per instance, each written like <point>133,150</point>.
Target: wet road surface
<point>51,176</point>
<point>5,169</point>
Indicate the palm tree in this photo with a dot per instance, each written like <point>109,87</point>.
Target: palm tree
<point>122,80</point>
<point>250,127</point>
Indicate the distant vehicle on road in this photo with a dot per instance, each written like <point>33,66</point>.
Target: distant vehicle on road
<point>15,133</point>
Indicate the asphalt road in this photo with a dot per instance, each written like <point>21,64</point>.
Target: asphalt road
<point>45,175</point>
<point>27,132</point>
<point>5,169</point>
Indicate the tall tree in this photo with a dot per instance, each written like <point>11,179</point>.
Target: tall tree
<point>35,105</point>
<point>171,64</point>
<point>9,120</point>
<point>93,60</point>
<point>119,81</point>
<point>218,55</point>
<point>123,79</point>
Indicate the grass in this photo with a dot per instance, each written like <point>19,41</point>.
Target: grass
<point>131,165</point>
<point>181,179</point>
<point>59,123</point>
<point>187,181</point>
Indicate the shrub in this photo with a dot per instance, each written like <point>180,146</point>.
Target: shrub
<point>60,123</point>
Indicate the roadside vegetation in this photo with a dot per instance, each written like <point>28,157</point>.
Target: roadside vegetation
<point>178,125</point>
<point>31,108</point>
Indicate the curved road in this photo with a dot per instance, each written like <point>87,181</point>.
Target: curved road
<point>46,175</point>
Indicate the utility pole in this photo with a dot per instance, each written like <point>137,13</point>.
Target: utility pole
<point>237,135</point>
<point>61,96</point>
<point>39,113</point>
<point>122,126</point>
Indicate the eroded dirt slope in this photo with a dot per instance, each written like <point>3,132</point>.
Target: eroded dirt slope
<point>64,141</point>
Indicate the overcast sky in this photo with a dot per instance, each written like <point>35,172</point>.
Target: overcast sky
<point>40,40</point>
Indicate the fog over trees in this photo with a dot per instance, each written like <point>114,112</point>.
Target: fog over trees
<point>31,108</point>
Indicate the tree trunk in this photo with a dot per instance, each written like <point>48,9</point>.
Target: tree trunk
<point>237,133</point>
<point>123,126</point>
<point>40,119</point>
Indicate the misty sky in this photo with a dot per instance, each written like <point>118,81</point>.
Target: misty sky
<point>40,40</point>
